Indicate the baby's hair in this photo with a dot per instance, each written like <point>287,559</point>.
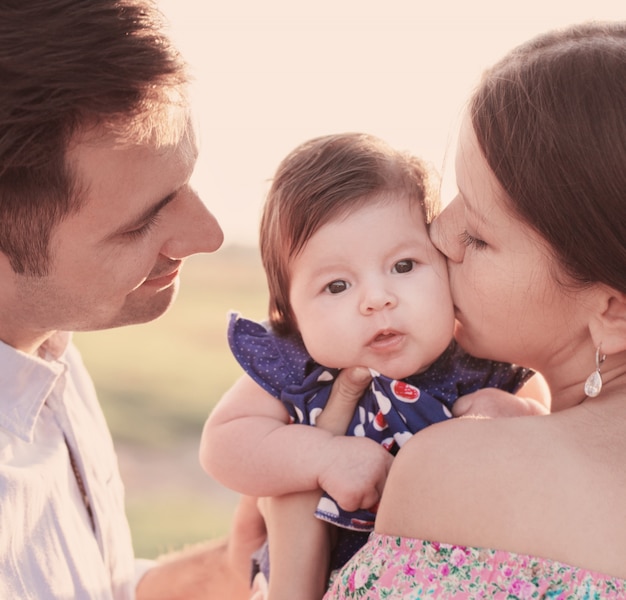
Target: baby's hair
<point>322,180</point>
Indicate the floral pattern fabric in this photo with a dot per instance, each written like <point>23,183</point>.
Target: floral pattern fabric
<point>408,569</point>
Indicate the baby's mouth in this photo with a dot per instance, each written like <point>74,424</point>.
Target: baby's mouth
<point>385,338</point>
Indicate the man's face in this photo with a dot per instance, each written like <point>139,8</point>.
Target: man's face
<point>116,262</point>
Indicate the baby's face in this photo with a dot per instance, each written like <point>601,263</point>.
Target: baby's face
<point>370,289</point>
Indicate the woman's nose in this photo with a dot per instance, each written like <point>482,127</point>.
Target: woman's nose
<point>445,232</point>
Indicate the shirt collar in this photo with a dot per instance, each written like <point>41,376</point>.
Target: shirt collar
<point>26,381</point>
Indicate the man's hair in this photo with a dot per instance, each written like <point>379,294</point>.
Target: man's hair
<point>67,67</point>
<point>323,180</point>
<point>550,118</point>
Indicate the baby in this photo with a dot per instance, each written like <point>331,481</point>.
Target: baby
<point>354,280</point>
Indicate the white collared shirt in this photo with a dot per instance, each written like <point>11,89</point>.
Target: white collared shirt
<point>48,546</point>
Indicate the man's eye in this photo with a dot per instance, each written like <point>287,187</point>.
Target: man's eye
<point>404,266</point>
<point>144,229</point>
<point>338,286</point>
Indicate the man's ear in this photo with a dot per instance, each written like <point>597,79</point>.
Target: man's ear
<point>608,325</point>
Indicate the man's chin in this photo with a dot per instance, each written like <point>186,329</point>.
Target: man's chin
<point>138,309</point>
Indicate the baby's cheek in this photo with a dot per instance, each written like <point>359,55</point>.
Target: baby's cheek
<point>330,348</point>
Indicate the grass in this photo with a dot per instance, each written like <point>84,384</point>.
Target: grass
<point>158,382</point>
<point>171,522</point>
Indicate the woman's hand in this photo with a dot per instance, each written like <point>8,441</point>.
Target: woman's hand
<point>494,403</point>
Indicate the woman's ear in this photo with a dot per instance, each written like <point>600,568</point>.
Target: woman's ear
<point>608,325</point>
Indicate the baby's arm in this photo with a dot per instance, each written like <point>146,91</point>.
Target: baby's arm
<point>532,399</point>
<point>248,446</point>
<point>300,543</point>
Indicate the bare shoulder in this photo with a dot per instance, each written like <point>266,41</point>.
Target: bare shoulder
<point>518,484</point>
<point>457,472</point>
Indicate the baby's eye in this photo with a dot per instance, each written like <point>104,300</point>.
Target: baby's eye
<point>404,266</point>
<point>337,286</point>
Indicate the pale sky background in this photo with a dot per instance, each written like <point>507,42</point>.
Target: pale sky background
<point>270,74</point>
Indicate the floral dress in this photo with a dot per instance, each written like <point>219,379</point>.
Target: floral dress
<point>407,569</point>
<point>389,412</point>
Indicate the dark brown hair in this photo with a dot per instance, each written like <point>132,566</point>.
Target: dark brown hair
<point>67,66</point>
<point>322,180</point>
<point>551,121</point>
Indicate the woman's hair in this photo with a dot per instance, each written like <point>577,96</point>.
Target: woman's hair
<point>68,67</point>
<point>550,119</point>
<point>323,180</point>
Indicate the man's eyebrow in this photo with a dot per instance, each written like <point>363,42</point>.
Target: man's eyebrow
<point>146,215</point>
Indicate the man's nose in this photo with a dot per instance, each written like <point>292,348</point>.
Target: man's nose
<point>195,230</point>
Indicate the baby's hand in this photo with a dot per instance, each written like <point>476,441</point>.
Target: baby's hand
<point>495,403</point>
<point>355,472</point>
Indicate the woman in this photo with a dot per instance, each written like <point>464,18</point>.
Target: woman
<point>536,247</point>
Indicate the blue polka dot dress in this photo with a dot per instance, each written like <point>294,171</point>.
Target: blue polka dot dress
<point>389,412</point>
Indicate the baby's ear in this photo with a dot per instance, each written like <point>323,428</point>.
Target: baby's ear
<point>608,326</point>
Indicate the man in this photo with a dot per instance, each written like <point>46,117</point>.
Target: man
<point>96,219</point>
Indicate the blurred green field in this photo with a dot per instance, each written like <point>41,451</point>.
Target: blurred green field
<point>157,383</point>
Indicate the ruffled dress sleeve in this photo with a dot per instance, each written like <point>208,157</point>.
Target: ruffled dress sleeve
<point>456,373</point>
<point>272,361</point>
<point>281,366</point>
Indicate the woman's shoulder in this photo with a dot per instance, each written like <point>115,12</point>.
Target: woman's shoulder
<point>465,444</point>
<point>468,469</point>
<point>518,484</point>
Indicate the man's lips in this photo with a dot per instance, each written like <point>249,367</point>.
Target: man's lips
<point>163,279</point>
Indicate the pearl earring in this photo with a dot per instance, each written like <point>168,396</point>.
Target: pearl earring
<point>593,385</point>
